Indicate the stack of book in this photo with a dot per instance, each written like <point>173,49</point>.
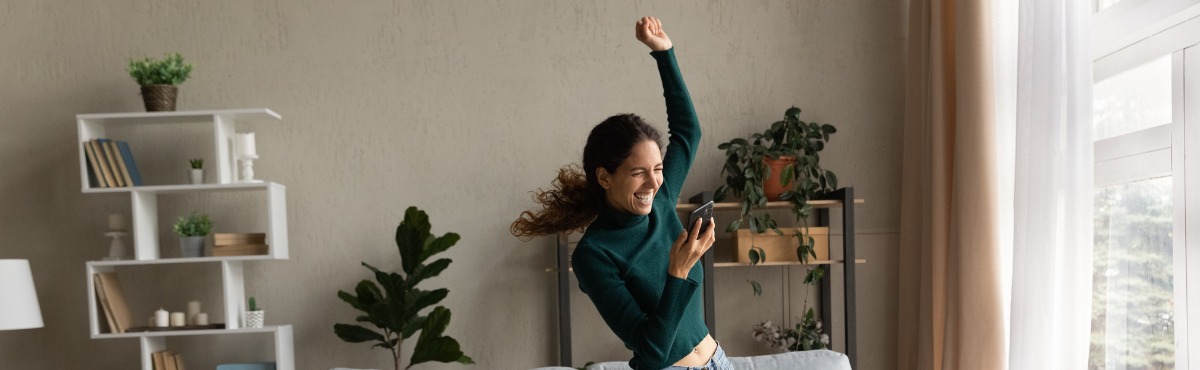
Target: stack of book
<point>111,164</point>
<point>167,360</point>
<point>239,244</point>
<point>112,302</point>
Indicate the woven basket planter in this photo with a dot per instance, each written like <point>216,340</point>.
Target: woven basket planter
<point>159,98</point>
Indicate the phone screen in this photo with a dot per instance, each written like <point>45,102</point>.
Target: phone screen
<point>703,212</point>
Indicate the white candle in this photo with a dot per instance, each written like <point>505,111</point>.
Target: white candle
<point>201,319</point>
<point>246,144</point>
<point>116,222</point>
<point>160,318</point>
<point>177,319</point>
<point>193,310</point>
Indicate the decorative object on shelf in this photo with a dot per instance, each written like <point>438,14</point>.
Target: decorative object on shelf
<point>201,319</point>
<point>192,230</point>
<point>193,309</point>
<point>159,80</point>
<point>116,230</point>
<point>797,144</point>
<point>162,318</point>
<point>197,170</point>
<point>19,308</point>
<point>255,315</point>
<point>246,155</point>
<point>396,307</point>
<point>178,319</point>
<point>240,244</point>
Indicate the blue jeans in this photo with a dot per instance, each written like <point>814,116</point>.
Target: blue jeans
<point>718,362</point>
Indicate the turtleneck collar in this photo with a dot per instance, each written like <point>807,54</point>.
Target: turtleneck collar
<point>609,217</point>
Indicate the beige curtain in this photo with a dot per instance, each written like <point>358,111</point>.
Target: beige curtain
<point>950,314</point>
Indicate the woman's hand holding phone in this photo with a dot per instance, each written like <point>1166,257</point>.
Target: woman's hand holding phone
<point>690,246</point>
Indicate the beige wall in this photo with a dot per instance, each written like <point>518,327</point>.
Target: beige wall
<point>458,107</point>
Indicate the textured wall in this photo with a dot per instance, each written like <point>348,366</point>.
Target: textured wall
<point>458,107</point>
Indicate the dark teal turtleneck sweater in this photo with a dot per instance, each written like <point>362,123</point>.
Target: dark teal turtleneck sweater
<point>621,261</point>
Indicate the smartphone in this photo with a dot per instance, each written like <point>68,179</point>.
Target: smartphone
<point>703,212</point>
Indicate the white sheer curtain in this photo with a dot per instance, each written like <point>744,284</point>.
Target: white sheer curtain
<point>1050,312</point>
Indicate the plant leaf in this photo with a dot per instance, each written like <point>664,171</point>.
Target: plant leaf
<point>832,179</point>
<point>733,226</point>
<point>356,334</point>
<point>814,276</point>
<point>719,195</point>
<point>754,256</point>
<point>432,346</point>
<point>757,288</point>
<point>411,236</point>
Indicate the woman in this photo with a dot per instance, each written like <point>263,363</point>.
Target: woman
<point>645,286</point>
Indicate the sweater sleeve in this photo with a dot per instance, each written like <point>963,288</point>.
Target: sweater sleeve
<point>649,333</point>
<point>682,124</point>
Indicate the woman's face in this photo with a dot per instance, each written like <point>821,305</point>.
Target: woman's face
<point>632,187</point>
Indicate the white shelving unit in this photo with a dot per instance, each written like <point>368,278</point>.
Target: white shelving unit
<point>144,211</point>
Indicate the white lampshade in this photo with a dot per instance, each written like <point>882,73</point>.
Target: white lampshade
<point>18,300</point>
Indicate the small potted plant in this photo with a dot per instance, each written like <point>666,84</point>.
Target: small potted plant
<point>197,170</point>
<point>192,231</point>
<point>786,156</point>
<point>255,315</point>
<point>159,80</point>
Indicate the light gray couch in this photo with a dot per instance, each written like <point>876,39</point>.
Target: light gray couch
<point>817,360</point>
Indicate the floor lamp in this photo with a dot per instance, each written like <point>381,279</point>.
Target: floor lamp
<point>19,307</point>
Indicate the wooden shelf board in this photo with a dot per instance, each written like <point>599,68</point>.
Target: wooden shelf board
<point>185,188</point>
<point>197,116</point>
<point>770,205</point>
<point>747,264</point>
<point>164,261</point>
<point>176,333</point>
<point>786,263</point>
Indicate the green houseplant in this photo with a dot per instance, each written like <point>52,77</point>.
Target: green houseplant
<point>197,174</point>
<point>785,157</point>
<point>159,80</point>
<point>192,230</point>
<point>393,304</point>
<point>801,176</point>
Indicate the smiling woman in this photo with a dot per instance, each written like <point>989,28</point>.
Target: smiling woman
<point>643,284</point>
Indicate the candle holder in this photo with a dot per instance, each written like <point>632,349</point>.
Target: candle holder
<point>247,162</point>
<point>116,249</point>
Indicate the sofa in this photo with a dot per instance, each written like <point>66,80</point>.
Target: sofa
<point>818,359</point>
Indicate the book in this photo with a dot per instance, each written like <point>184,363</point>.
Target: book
<point>240,250</point>
<point>169,360</point>
<point>115,297</point>
<point>239,238</point>
<point>159,359</point>
<point>179,361</point>
<point>134,175</point>
<point>121,164</point>
<point>109,153</point>
<point>102,302</point>
<point>94,179</point>
<point>97,148</point>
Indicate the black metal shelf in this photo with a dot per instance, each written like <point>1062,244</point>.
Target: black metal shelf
<point>843,198</point>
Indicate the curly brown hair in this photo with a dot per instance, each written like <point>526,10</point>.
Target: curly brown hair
<point>575,196</point>
<point>562,207</point>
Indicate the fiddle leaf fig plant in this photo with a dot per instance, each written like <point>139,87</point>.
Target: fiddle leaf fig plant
<point>392,304</point>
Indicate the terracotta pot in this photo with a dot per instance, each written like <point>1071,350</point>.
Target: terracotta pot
<point>773,185</point>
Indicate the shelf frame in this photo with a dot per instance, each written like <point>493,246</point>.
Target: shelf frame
<point>841,198</point>
<point>222,125</point>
